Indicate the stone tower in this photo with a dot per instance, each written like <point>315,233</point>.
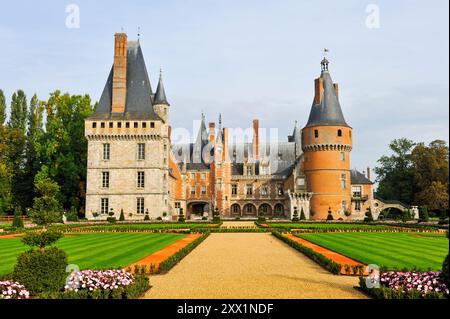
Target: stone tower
<point>128,142</point>
<point>327,143</point>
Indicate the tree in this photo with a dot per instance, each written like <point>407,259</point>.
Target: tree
<point>5,189</point>
<point>122,216</point>
<point>423,214</point>
<point>19,111</point>
<point>302,215</point>
<point>369,217</point>
<point>46,207</point>
<point>2,108</point>
<point>431,174</point>
<point>17,221</point>
<point>63,148</point>
<point>395,175</point>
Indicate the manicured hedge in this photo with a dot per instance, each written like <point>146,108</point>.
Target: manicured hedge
<point>167,264</point>
<point>325,262</point>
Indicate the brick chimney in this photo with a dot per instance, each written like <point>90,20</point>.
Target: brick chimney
<point>119,90</point>
<point>256,140</point>
<point>368,173</point>
<point>318,89</point>
<point>212,127</point>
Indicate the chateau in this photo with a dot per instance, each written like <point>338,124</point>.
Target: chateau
<point>133,166</point>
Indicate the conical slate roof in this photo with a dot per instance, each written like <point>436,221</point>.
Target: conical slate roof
<point>328,111</point>
<point>138,104</point>
<point>201,141</point>
<point>160,96</point>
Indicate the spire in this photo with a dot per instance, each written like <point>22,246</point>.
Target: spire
<point>326,109</point>
<point>201,141</point>
<point>160,95</point>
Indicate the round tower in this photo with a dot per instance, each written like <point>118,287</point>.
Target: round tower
<point>327,143</point>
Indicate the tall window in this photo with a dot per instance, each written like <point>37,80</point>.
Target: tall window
<point>344,205</point>
<point>342,156</point>
<point>316,133</point>
<point>264,170</point>
<point>141,179</point>
<point>192,190</point>
<point>343,181</point>
<point>356,191</point>
<point>203,190</point>
<point>249,170</point>
<point>340,133</point>
<point>104,206</point>
<point>141,151</point>
<point>105,179</point>
<point>264,191</point>
<point>357,205</point>
<point>280,190</point>
<point>203,175</point>
<point>106,152</point>
<point>234,189</point>
<point>140,205</point>
<point>249,189</point>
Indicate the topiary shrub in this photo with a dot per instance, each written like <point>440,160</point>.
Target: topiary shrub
<point>181,218</point>
<point>42,269</point>
<point>17,221</point>
<point>216,215</point>
<point>369,217</point>
<point>111,220</point>
<point>423,214</point>
<point>302,215</point>
<point>330,215</point>
<point>122,216</point>
<point>295,215</point>
<point>147,218</point>
<point>158,218</point>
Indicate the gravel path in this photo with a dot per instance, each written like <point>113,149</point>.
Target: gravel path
<point>249,265</point>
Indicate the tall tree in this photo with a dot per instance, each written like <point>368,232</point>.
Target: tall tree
<point>2,108</point>
<point>63,147</point>
<point>431,174</point>
<point>32,162</point>
<point>395,174</point>
<point>16,146</point>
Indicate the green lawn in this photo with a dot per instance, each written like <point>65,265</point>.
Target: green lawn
<point>392,250</point>
<point>97,250</point>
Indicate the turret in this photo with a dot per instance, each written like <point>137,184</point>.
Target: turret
<point>160,103</point>
<point>327,143</point>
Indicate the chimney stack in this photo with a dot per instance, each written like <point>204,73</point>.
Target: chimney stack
<point>318,89</point>
<point>256,140</point>
<point>212,127</point>
<point>368,173</point>
<point>119,90</point>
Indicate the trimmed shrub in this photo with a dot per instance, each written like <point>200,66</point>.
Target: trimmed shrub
<point>42,270</point>
<point>302,215</point>
<point>122,216</point>
<point>111,220</point>
<point>147,218</point>
<point>181,218</point>
<point>41,240</point>
<point>216,215</point>
<point>369,217</point>
<point>295,215</point>
<point>423,214</point>
<point>72,215</point>
<point>17,221</point>
<point>330,215</point>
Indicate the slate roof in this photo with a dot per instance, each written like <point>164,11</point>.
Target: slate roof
<point>358,177</point>
<point>328,111</point>
<point>160,95</point>
<point>139,103</point>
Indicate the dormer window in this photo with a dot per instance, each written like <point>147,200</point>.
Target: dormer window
<point>249,170</point>
<point>94,124</point>
<point>111,124</point>
<point>102,124</point>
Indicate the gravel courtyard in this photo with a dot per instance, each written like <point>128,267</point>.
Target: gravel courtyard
<point>249,265</point>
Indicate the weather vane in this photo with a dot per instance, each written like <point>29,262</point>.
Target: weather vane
<point>325,51</point>
<point>139,33</point>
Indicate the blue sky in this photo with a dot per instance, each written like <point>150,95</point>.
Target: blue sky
<point>249,59</point>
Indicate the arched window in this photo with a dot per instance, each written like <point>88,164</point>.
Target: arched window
<point>235,209</point>
<point>279,210</point>
<point>340,133</point>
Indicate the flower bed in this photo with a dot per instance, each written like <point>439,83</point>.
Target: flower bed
<point>102,284</point>
<point>13,290</point>
<point>408,285</point>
